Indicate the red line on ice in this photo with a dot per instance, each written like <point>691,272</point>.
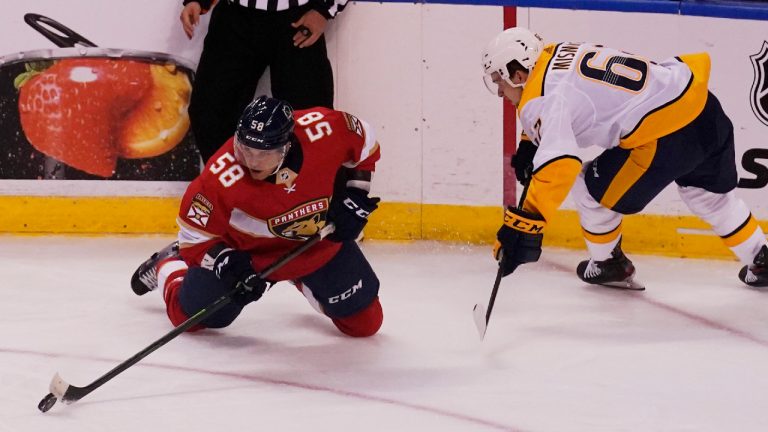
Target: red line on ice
<point>318,388</point>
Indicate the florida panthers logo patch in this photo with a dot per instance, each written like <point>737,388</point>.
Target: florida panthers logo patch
<point>200,210</point>
<point>302,222</point>
<point>758,97</point>
<point>354,124</point>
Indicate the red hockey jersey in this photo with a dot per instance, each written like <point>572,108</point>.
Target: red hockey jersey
<point>268,218</point>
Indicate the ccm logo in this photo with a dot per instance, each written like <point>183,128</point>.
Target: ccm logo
<point>523,225</point>
<point>355,208</point>
<point>348,293</point>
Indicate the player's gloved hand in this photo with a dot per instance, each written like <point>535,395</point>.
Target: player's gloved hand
<point>522,160</point>
<point>349,213</point>
<point>234,268</point>
<point>519,239</point>
<point>250,289</point>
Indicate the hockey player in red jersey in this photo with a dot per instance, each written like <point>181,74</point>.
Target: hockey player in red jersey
<point>268,188</point>
<point>657,123</point>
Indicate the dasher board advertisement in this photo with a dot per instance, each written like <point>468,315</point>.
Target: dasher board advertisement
<point>71,109</point>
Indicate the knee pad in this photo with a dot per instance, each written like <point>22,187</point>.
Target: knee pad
<point>345,285</point>
<point>364,323</point>
<point>200,288</point>
<point>172,306</point>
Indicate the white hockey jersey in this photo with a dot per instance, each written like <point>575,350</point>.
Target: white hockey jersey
<point>580,95</point>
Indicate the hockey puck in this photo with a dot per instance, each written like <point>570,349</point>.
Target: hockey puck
<point>48,401</point>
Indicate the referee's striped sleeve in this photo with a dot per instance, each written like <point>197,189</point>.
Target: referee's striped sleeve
<point>329,8</point>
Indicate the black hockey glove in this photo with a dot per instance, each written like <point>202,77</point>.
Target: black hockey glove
<point>251,288</point>
<point>519,239</point>
<point>349,213</point>
<point>234,268</point>
<point>522,160</point>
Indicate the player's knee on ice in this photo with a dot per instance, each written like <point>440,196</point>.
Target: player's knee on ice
<point>347,290</point>
<point>201,287</point>
<point>364,323</point>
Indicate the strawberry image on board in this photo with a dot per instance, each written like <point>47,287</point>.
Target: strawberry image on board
<point>72,111</point>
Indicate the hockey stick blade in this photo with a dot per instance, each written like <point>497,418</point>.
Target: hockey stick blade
<point>59,390</point>
<point>482,314</point>
<point>478,312</point>
<point>63,391</point>
<point>66,392</point>
<point>58,387</point>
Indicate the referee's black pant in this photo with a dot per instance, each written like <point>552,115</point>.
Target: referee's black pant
<point>240,44</point>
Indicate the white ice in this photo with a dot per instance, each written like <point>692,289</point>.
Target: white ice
<point>688,354</point>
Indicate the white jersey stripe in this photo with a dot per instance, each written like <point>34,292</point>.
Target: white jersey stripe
<point>248,224</point>
<point>191,236</point>
<point>369,147</point>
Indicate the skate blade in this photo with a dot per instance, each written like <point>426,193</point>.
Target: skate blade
<point>629,284</point>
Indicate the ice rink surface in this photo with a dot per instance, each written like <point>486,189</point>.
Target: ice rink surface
<point>688,354</point>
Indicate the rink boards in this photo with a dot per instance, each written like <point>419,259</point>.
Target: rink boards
<point>442,171</point>
<point>685,236</point>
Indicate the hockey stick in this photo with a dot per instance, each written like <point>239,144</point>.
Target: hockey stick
<point>480,313</point>
<point>67,393</point>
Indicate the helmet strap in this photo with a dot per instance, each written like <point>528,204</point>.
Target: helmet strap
<point>286,148</point>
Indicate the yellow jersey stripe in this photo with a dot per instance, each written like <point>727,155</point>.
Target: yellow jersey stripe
<point>534,85</point>
<point>634,167</point>
<point>677,113</point>
<point>550,185</point>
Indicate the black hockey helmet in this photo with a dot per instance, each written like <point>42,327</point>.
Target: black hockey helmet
<point>266,124</point>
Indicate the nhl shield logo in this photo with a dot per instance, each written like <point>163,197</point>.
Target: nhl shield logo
<point>758,97</point>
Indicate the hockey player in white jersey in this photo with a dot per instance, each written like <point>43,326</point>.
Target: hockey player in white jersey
<point>658,124</point>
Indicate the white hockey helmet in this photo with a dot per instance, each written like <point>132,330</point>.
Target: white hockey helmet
<point>516,43</point>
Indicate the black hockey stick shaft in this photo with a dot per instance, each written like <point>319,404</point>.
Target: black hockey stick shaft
<point>74,393</point>
<point>496,283</point>
<point>483,327</point>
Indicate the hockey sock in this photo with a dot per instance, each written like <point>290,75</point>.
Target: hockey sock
<point>746,241</point>
<point>364,323</point>
<point>730,219</point>
<point>170,276</point>
<point>600,246</point>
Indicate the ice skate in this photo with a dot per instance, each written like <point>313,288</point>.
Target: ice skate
<point>756,275</point>
<point>144,279</point>
<point>615,272</point>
